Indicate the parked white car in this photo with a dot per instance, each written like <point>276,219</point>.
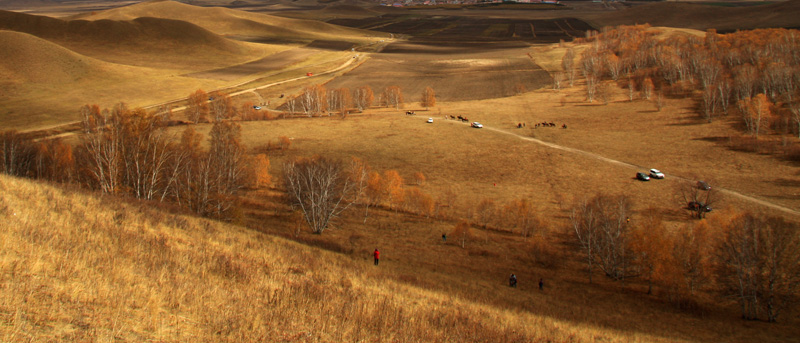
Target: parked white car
<point>656,174</point>
<point>430,120</point>
<point>477,125</point>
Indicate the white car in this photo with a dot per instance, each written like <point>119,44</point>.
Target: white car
<point>656,174</point>
<point>477,125</point>
<point>256,107</point>
<point>430,120</point>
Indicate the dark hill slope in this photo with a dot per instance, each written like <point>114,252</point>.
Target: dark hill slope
<point>139,33</point>
<point>702,17</point>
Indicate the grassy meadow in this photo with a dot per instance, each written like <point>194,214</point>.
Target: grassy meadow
<point>104,269</point>
<point>77,265</point>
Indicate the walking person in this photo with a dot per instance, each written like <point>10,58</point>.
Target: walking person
<point>377,255</point>
<point>541,284</point>
<point>444,237</point>
<point>512,281</point>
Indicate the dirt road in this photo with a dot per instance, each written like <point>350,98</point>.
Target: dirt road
<point>635,167</point>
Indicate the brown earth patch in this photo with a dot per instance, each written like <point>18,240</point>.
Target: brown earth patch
<point>272,62</point>
<point>454,74</point>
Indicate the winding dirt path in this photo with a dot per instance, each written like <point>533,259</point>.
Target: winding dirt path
<point>636,167</point>
<point>348,61</point>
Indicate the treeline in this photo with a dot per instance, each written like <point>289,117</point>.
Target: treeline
<point>754,74</point>
<point>313,100</point>
<point>129,152</point>
<point>750,258</point>
<point>316,99</point>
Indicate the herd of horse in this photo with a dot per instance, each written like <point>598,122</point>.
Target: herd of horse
<point>519,125</point>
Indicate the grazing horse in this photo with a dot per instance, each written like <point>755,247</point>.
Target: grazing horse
<point>564,126</point>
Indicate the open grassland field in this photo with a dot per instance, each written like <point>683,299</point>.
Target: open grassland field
<point>97,269</point>
<point>441,27</point>
<point>101,267</point>
<point>454,72</point>
<point>500,163</point>
<point>146,55</point>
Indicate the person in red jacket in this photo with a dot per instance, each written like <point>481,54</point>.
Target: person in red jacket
<point>377,255</point>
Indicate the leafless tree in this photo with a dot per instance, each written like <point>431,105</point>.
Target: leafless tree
<point>485,212</point>
<point>568,64</point>
<point>363,97</point>
<point>693,197</point>
<point>101,144</point>
<point>313,100</point>
<point>758,263</point>
<point>794,107</point>
<point>428,98</point>
<point>558,79</point>
<point>197,109</point>
<point>322,188</point>
<point>393,96</point>
<point>601,228</point>
<point>291,105</point>
<point>13,158</point>
<point>221,106</point>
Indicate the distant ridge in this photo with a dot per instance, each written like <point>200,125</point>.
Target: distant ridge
<point>140,32</point>
<point>700,16</point>
<point>230,22</point>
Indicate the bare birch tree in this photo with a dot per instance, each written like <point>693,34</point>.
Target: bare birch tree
<point>321,188</point>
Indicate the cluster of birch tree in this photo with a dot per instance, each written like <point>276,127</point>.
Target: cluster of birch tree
<point>751,258</point>
<point>129,151</point>
<point>758,71</point>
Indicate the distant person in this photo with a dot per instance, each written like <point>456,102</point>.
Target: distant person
<point>512,281</point>
<point>444,237</point>
<point>541,284</point>
<point>377,255</point>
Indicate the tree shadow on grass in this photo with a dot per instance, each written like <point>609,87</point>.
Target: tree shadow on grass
<point>689,120</point>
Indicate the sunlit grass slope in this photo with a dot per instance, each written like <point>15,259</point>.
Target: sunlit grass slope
<point>42,83</point>
<point>74,267</point>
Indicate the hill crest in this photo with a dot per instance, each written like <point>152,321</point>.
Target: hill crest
<point>27,58</point>
<point>230,22</point>
<point>135,33</point>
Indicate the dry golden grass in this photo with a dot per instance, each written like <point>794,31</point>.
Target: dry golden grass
<point>478,164</point>
<point>142,62</point>
<point>96,269</point>
<point>99,269</point>
<point>45,84</point>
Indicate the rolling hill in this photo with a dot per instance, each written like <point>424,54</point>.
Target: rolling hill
<point>141,41</point>
<point>27,58</point>
<point>96,268</point>
<point>229,22</point>
<point>44,83</point>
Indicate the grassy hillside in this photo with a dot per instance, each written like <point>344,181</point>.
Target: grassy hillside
<point>230,22</point>
<point>44,83</point>
<point>152,42</point>
<point>102,269</point>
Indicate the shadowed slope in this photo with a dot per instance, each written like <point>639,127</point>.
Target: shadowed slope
<point>226,21</point>
<point>141,41</point>
<point>43,83</point>
<point>700,16</point>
